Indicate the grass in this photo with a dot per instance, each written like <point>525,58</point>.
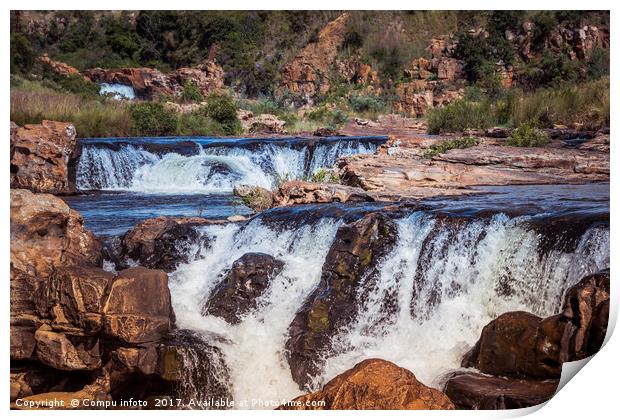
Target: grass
<point>526,135</point>
<point>444,146</point>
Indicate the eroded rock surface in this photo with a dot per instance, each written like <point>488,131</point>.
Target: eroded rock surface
<point>42,156</point>
<point>374,384</point>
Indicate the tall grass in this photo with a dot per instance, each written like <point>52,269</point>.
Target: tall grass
<point>92,118</point>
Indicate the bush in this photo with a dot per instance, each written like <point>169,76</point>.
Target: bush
<point>153,119</point>
<point>323,175</point>
<point>370,103</point>
<point>444,146</point>
<point>222,109</point>
<point>332,117</point>
<point>22,53</point>
<point>460,115</point>
<point>526,135</point>
<point>191,93</point>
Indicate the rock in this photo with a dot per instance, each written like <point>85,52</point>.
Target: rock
<point>42,156</point>
<point>303,76</point>
<point>326,132</point>
<point>475,391</point>
<point>448,68</point>
<point>263,123</point>
<point>302,192</point>
<point>523,345</point>
<point>242,286</point>
<point>149,83</point>
<point>374,384</point>
<point>236,218</point>
<point>19,386</point>
<point>65,352</point>
<point>497,132</point>
<point>97,392</point>
<point>74,297</point>
<point>257,198</point>
<point>46,233</point>
<point>163,242</point>
<point>600,143</point>
<point>351,264</point>
<point>415,98</point>
<point>138,309</point>
<point>59,67</point>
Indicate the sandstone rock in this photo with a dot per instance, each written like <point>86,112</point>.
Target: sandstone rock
<point>257,198</point>
<point>305,74</point>
<point>19,386</point>
<point>65,352</point>
<point>415,98</point>
<point>59,67</point>
<point>448,68</point>
<point>524,345</point>
<point>163,242</point>
<point>98,391</point>
<point>475,391</point>
<point>263,123</point>
<point>242,286</point>
<point>351,263</point>
<point>600,143</point>
<point>374,384</point>
<point>46,233</point>
<point>330,132</point>
<point>42,155</point>
<point>138,309</point>
<point>302,192</point>
<point>74,297</point>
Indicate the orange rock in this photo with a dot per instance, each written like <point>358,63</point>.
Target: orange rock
<point>374,384</point>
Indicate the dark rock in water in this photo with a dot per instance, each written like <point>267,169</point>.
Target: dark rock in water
<point>475,391</point>
<point>373,384</point>
<point>523,345</point>
<point>352,262</point>
<point>246,281</point>
<point>163,242</point>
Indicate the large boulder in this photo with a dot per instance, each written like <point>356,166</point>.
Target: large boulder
<point>138,307</point>
<point>162,242</point>
<point>42,156</point>
<point>241,287</point>
<point>523,345</point>
<point>46,233</point>
<point>262,123</point>
<point>67,352</point>
<point>475,391</point>
<point>373,384</point>
<point>351,264</point>
<point>303,192</point>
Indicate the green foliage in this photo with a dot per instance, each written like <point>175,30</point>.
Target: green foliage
<point>223,110</point>
<point>332,117</point>
<point>191,93</point>
<point>444,146</point>
<point>22,53</point>
<point>153,119</point>
<point>367,103</point>
<point>460,115</point>
<point>549,69</point>
<point>598,63</point>
<point>325,175</point>
<point>527,135</point>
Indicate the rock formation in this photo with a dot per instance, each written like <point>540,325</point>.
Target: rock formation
<point>373,384</point>
<point>256,198</point>
<point>42,157</point>
<point>261,124</point>
<point>241,287</point>
<point>350,263</point>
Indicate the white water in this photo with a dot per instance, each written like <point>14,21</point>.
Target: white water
<point>211,170</point>
<point>117,91</point>
<point>454,285</point>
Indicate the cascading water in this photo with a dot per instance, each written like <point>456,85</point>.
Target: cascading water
<point>445,281</point>
<point>208,169</point>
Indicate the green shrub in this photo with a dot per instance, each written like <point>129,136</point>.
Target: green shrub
<point>222,109</point>
<point>332,117</point>
<point>191,93</point>
<point>444,146</point>
<point>22,53</point>
<point>460,115</point>
<point>323,175</point>
<point>527,135</point>
<point>153,119</point>
<point>367,103</point>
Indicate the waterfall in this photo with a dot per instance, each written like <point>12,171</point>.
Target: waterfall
<point>211,169</point>
<point>435,291</point>
<point>117,91</point>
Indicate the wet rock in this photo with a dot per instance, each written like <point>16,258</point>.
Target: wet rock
<point>523,345</point>
<point>351,263</point>
<point>257,198</point>
<point>242,286</point>
<point>41,156</point>
<point>46,233</point>
<point>475,391</point>
<point>163,242</point>
<point>374,384</point>
<point>65,352</point>
<point>138,309</point>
